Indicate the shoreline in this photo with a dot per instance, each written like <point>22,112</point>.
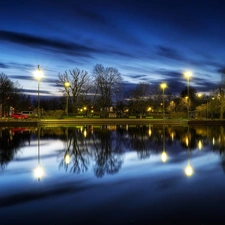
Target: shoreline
<point>109,121</point>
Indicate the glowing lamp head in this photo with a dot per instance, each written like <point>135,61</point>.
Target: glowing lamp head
<point>188,75</point>
<point>38,74</point>
<point>163,85</point>
<point>67,84</point>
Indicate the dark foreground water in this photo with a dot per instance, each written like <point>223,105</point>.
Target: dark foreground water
<point>112,175</point>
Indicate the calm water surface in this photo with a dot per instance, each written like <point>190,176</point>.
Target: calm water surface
<point>112,175</point>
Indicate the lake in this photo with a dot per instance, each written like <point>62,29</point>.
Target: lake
<point>112,174</point>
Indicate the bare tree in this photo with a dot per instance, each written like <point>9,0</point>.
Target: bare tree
<point>108,86</point>
<point>77,88</point>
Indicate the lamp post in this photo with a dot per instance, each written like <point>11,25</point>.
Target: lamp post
<point>163,86</point>
<point>67,84</point>
<point>188,75</point>
<point>38,76</point>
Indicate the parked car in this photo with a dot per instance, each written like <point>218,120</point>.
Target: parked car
<point>30,113</point>
<point>19,116</point>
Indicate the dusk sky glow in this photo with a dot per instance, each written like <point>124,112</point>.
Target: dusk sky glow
<point>150,41</point>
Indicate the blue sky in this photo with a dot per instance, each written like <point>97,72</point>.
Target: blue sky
<point>147,41</point>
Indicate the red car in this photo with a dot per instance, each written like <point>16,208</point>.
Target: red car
<point>19,116</point>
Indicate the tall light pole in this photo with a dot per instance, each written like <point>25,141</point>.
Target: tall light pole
<point>163,86</point>
<point>188,75</point>
<point>38,75</point>
<point>67,84</point>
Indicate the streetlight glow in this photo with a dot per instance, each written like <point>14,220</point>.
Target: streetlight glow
<point>39,172</point>
<point>38,74</point>
<point>67,158</point>
<point>188,170</point>
<point>188,74</point>
<point>164,156</point>
<point>163,85</point>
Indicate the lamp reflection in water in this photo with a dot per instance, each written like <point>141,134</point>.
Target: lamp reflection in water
<point>188,169</point>
<point>200,145</point>
<point>164,155</point>
<point>85,132</point>
<point>149,131</point>
<point>39,171</point>
<point>67,155</point>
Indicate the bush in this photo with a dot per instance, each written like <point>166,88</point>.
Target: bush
<point>53,114</point>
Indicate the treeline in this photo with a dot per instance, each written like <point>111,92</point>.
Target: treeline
<point>102,92</point>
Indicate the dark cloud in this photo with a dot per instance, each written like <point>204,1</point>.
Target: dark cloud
<point>129,86</point>
<point>21,77</point>
<point>15,65</point>
<point>35,91</point>
<point>57,46</point>
<point>221,70</point>
<point>169,53</point>
<point>169,74</point>
<point>24,77</point>
<point>3,66</point>
<point>37,42</point>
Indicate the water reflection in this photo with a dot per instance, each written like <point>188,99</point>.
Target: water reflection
<point>76,154</point>
<point>39,171</point>
<point>164,155</point>
<point>11,140</point>
<point>188,169</point>
<point>102,149</point>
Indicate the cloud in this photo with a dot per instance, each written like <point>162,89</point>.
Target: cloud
<point>58,46</point>
<point>169,53</point>
<point>24,77</point>
<point>221,70</point>
<point>3,66</point>
<point>21,77</point>
<point>39,42</point>
<point>35,91</point>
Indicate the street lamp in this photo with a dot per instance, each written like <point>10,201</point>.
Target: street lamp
<point>163,86</point>
<point>67,84</point>
<point>38,75</point>
<point>188,75</point>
